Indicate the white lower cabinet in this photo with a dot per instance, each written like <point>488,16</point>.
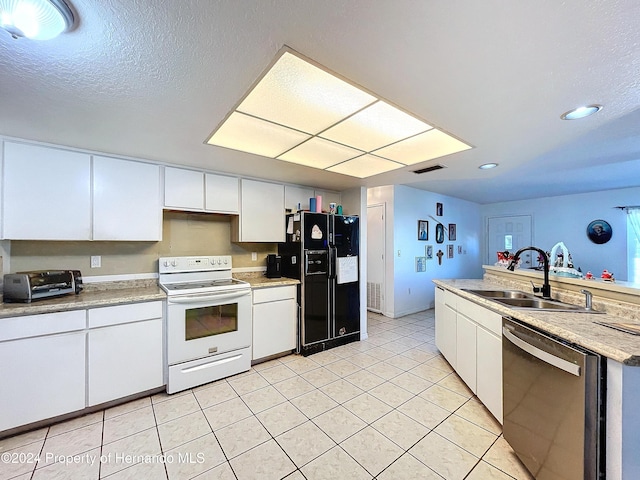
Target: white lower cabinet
<point>446,335</point>
<point>466,352</point>
<point>489,371</point>
<point>124,351</point>
<point>470,338</point>
<point>274,321</point>
<point>41,376</point>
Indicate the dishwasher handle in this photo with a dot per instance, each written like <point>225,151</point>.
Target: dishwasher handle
<point>546,357</point>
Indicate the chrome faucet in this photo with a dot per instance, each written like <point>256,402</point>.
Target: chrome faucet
<point>546,287</point>
<point>588,298</point>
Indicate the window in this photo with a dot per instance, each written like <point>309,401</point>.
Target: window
<point>633,244</point>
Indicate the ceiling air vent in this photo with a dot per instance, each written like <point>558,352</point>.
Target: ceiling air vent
<point>432,168</point>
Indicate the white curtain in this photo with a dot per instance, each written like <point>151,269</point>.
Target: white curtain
<point>634,219</point>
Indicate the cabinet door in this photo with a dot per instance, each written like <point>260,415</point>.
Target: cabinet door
<point>124,360</point>
<point>329,197</point>
<point>466,350</point>
<point>126,200</point>
<point>262,212</point>
<point>274,328</point>
<point>446,334</point>
<point>183,189</point>
<point>294,195</point>
<point>489,371</point>
<point>222,193</point>
<point>47,193</point>
<point>41,377</point>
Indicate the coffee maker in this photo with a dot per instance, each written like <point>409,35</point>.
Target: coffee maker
<point>274,266</point>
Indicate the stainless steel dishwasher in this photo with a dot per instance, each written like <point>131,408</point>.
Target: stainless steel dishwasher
<point>553,404</point>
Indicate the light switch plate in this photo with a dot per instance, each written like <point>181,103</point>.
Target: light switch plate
<point>96,261</point>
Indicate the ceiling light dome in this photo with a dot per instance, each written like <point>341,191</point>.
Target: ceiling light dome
<point>35,19</point>
<point>488,166</point>
<point>581,112</point>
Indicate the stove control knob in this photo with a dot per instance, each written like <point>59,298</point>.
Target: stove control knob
<point>213,261</point>
<point>174,263</point>
<point>226,261</point>
<point>219,262</point>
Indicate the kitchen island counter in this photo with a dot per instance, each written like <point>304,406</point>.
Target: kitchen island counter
<point>578,328</point>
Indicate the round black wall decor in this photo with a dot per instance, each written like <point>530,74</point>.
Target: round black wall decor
<point>599,231</point>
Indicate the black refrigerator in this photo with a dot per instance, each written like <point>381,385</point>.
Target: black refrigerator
<point>322,251</point>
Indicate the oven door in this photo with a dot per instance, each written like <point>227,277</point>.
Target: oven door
<point>203,325</point>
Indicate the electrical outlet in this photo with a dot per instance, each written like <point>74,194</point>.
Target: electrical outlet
<point>96,261</point>
<point>398,252</point>
<point>254,256</point>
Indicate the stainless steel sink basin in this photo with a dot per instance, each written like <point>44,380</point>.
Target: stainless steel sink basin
<point>500,293</point>
<point>542,304</point>
<point>525,301</point>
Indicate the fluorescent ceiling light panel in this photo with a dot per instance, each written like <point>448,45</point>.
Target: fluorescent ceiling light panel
<point>301,113</point>
<point>249,134</point>
<point>299,95</point>
<point>365,166</point>
<point>319,153</point>
<point>423,147</point>
<point>375,126</point>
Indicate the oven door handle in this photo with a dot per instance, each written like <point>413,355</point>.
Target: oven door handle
<point>206,297</point>
<point>546,357</point>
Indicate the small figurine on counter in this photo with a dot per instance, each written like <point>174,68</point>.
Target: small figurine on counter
<point>607,276</point>
<point>589,275</point>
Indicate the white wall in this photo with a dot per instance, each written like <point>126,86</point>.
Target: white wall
<point>407,291</point>
<point>565,219</point>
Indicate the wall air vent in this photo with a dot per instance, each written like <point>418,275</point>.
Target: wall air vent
<point>432,168</point>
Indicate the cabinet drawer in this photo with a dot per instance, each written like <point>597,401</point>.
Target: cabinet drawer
<point>43,324</point>
<point>101,317</point>
<point>492,321</point>
<point>273,294</point>
<point>451,299</point>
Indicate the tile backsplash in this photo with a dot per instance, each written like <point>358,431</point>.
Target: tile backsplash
<point>184,233</point>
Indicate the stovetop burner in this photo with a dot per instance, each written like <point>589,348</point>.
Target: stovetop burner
<point>197,275</point>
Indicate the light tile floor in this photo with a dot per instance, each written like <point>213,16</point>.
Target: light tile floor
<point>389,407</point>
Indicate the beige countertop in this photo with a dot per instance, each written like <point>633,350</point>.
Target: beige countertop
<point>118,293</point>
<point>578,328</point>
<point>258,280</point>
<point>85,299</point>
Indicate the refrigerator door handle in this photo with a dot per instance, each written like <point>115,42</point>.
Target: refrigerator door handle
<point>332,262</point>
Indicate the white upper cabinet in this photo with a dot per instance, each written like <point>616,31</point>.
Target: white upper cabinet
<point>198,191</point>
<point>46,193</point>
<point>183,189</point>
<point>261,213</point>
<point>221,194</point>
<point>328,197</point>
<point>126,200</point>
<point>294,195</point>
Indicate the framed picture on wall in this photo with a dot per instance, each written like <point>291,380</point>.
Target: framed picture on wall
<point>452,232</point>
<point>439,233</point>
<point>428,251</point>
<point>421,264</point>
<point>439,209</point>
<point>599,231</point>
<point>423,230</point>
<point>450,251</point>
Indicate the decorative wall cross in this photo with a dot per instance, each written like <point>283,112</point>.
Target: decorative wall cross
<point>440,254</point>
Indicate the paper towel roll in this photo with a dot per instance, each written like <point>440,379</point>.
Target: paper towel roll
<point>319,203</point>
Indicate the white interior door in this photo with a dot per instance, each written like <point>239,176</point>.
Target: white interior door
<point>375,257</point>
<point>509,233</point>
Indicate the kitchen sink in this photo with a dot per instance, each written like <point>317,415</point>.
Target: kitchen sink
<point>500,293</point>
<point>525,301</point>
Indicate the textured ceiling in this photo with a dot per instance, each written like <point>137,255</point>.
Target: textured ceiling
<point>154,80</point>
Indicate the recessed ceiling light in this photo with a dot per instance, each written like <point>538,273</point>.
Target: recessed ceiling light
<point>299,112</point>
<point>37,20</point>
<point>488,166</point>
<point>581,112</point>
